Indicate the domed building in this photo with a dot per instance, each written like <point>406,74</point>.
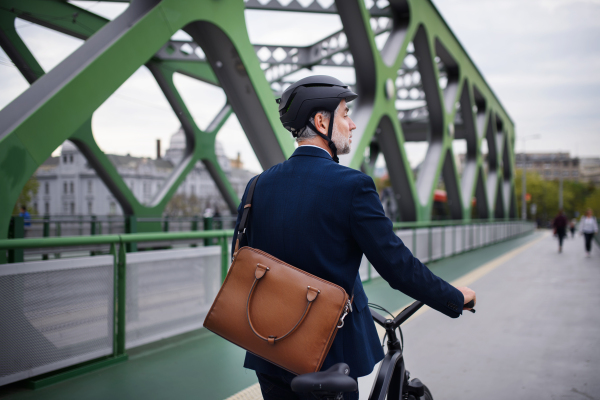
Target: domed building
<point>70,186</point>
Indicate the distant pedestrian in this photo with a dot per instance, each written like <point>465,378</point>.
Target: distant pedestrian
<point>588,227</point>
<point>26,219</point>
<point>560,223</point>
<point>572,227</point>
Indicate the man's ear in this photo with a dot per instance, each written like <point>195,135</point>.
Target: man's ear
<point>321,123</point>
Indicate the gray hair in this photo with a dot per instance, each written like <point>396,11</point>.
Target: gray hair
<point>307,132</point>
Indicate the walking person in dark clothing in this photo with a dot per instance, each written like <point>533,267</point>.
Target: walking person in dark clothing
<point>588,227</point>
<point>560,228</point>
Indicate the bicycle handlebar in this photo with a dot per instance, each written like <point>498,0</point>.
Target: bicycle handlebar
<point>401,318</point>
<point>406,314</point>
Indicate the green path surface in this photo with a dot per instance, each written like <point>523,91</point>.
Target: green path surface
<point>200,365</point>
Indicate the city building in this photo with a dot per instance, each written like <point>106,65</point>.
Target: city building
<point>589,169</point>
<point>70,186</point>
<point>550,166</point>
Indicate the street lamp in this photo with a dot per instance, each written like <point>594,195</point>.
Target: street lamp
<point>524,203</point>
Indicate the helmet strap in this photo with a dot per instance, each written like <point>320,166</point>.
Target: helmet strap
<point>328,137</point>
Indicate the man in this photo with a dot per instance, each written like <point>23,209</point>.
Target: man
<point>26,219</point>
<point>560,228</point>
<point>321,217</point>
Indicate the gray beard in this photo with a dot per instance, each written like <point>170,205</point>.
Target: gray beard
<point>342,144</point>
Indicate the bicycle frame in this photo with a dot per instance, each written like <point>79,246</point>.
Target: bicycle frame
<point>391,377</point>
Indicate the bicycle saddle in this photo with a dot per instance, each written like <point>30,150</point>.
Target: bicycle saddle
<point>335,379</point>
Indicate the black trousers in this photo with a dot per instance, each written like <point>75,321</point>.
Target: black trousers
<point>561,233</point>
<point>275,388</point>
<point>588,241</point>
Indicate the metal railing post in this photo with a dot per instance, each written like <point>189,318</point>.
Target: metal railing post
<point>120,300</point>
<point>58,234</point>
<point>93,231</point>
<point>46,233</point>
<point>414,250</point>
<point>208,226</point>
<point>194,227</point>
<point>131,227</point>
<point>16,230</point>
<point>443,241</point>
<point>454,240</point>
<point>224,257</point>
<point>430,250</point>
<point>166,224</point>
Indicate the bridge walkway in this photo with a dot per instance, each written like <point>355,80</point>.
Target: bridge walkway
<point>535,334</point>
<point>200,365</point>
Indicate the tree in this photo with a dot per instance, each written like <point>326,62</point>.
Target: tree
<point>593,202</point>
<point>181,205</point>
<point>545,195</point>
<point>29,191</point>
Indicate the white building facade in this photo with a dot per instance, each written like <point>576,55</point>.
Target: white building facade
<point>70,186</point>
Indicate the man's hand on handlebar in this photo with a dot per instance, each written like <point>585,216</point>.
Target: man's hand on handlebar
<point>469,296</point>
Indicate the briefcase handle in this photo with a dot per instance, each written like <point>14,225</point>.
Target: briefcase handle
<point>311,295</point>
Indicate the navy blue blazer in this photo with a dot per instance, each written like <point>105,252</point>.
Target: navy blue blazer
<point>321,217</point>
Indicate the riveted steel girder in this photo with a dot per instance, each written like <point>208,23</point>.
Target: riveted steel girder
<point>421,86</point>
<point>63,100</point>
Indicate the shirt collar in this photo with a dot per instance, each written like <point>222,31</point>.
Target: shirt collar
<point>312,145</point>
<point>311,150</point>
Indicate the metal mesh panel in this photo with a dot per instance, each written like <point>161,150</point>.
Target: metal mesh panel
<point>422,244</point>
<point>477,235</point>
<point>364,269</point>
<point>54,314</point>
<point>406,235</point>
<point>449,233</point>
<point>169,292</point>
<point>436,243</point>
<point>459,238</point>
<point>468,237</point>
<point>488,234</point>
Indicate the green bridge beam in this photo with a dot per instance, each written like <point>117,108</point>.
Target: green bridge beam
<point>60,103</point>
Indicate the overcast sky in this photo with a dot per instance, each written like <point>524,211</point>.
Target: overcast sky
<point>541,58</point>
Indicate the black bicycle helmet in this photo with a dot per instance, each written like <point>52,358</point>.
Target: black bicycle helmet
<point>302,100</point>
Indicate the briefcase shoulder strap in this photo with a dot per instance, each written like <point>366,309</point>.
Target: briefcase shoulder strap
<point>244,220</point>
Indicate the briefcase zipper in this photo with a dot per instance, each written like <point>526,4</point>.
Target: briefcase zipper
<point>347,310</point>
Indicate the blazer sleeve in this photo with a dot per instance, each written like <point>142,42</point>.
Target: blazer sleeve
<point>373,232</point>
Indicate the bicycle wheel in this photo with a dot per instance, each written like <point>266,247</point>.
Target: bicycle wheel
<point>426,395</point>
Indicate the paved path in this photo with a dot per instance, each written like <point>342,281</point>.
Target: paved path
<point>536,333</point>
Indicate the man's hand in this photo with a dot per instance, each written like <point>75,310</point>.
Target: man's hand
<point>468,294</point>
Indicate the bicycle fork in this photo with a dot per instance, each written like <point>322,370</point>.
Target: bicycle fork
<point>396,378</point>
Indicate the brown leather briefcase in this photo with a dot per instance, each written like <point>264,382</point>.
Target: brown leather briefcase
<point>276,311</point>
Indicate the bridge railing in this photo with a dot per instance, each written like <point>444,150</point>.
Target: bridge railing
<point>81,225</point>
<point>67,316</point>
<point>435,240</point>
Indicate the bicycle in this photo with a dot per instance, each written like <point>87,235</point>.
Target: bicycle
<point>393,380</point>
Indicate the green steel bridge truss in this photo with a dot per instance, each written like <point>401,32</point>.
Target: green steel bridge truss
<point>420,87</point>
